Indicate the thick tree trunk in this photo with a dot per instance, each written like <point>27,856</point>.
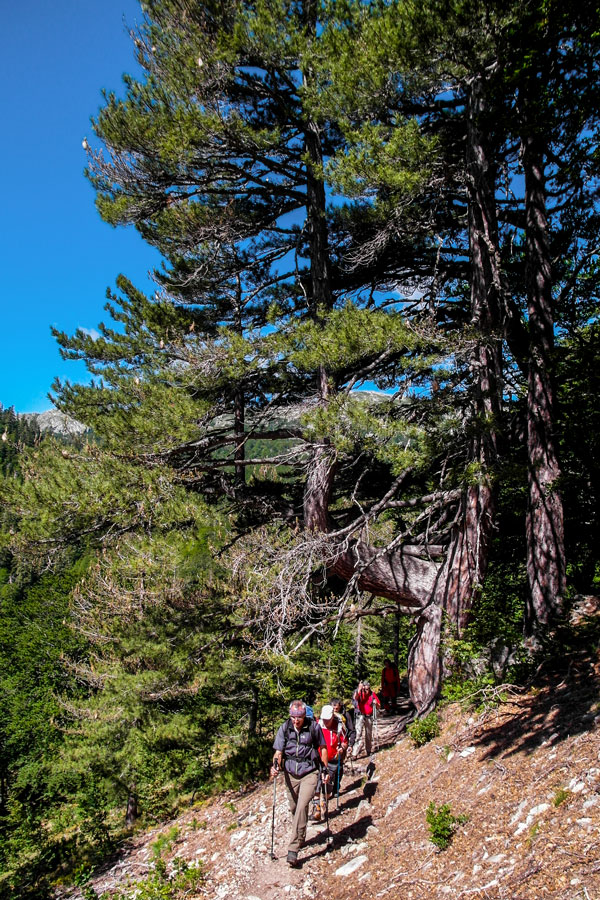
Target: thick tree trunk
<point>466,561</point>
<point>544,525</point>
<point>424,669</point>
<point>399,574</point>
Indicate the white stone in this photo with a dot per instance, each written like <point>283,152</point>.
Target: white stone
<point>476,869</point>
<point>351,866</point>
<point>364,876</point>
<point>576,786</point>
<point>496,859</point>
<point>467,751</point>
<point>593,801</point>
<point>538,810</point>
<point>236,837</point>
<point>398,801</point>
<point>584,822</point>
<point>517,815</point>
<point>575,881</point>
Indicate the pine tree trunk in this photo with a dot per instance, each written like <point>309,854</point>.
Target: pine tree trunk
<point>253,717</point>
<point>131,813</point>
<point>239,404</point>
<point>467,559</point>
<point>544,524</point>
<point>358,649</point>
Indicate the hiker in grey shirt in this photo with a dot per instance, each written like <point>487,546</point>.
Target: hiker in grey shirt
<point>300,749</point>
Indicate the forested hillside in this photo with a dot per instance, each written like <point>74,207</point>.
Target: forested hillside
<point>358,416</point>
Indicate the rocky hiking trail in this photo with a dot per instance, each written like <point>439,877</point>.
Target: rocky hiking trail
<point>525,775</point>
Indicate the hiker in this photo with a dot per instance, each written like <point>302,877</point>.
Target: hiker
<point>347,717</point>
<point>334,732</point>
<point>301,747</point>
<point>364,700</point>
<point>390,685</point>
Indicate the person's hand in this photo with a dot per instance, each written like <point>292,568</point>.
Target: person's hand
<point>275,770</point>
<point>326,778</point>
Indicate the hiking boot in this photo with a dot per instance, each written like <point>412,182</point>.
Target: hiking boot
<point>316,816</point>
<point>292,859</point>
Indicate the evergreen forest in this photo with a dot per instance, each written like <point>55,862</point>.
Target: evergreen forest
<point>357,418</point>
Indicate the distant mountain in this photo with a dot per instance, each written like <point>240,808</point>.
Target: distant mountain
<point>55,422</point>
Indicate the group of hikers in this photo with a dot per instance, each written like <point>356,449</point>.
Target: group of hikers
<point>311,752</point>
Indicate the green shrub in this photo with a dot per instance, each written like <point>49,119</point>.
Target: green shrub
<point>424,730</point>
<point>185,881</point>
<point>442,824</point>
<point>561,795</point>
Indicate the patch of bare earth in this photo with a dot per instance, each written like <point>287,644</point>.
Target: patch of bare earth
<point>526,774</point>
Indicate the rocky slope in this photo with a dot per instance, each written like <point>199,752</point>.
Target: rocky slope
<point>523,775</point>
<point>55,422</point>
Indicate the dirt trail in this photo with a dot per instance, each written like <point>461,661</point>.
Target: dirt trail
<point>523,776</point>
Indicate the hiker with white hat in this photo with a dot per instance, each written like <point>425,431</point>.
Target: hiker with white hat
<point>336,739</point>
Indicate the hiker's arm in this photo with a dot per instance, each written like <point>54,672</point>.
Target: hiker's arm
<point>324,761</point>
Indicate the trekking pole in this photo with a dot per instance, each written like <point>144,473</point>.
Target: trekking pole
<point>276,767</point>
<point>338,782</point>
<point>375,729</point>
<point>327,832</point>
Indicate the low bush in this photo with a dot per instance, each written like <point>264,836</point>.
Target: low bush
<point>442,824</point>
<point>424,730</point>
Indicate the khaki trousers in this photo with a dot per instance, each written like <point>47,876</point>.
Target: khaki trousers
<point>300,793</point>
<point>364,725</point>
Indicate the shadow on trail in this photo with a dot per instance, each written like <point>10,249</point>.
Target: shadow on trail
<point>320,846</point>
<point>563,702</point>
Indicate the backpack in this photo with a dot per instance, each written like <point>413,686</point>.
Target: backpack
<point>289,728</point>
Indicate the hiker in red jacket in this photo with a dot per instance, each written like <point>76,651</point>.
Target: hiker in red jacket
<point>365,702</point>
<point>390,685</point>
<point>336,738</point>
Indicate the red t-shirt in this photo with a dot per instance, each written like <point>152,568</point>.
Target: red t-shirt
<point>335,740</point>
<point>365,702</point>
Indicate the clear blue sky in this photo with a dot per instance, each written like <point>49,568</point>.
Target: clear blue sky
<point>57,257</point>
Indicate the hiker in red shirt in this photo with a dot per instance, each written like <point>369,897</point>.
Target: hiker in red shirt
<point>336,738</point>
<point>390,685</point>
<point>365,702</point>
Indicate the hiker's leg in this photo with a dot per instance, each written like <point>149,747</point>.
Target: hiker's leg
<point>360,721</point>
<point>368,735</point>
<point>292,784</point>
<point>306,789</point>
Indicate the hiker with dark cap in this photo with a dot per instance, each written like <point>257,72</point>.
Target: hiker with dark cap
<point>364,700</point>
<point>300,748</point>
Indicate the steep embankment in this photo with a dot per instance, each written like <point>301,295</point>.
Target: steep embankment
<point>526,774</point>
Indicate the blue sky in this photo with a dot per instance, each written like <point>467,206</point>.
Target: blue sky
<point>57,256</point>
